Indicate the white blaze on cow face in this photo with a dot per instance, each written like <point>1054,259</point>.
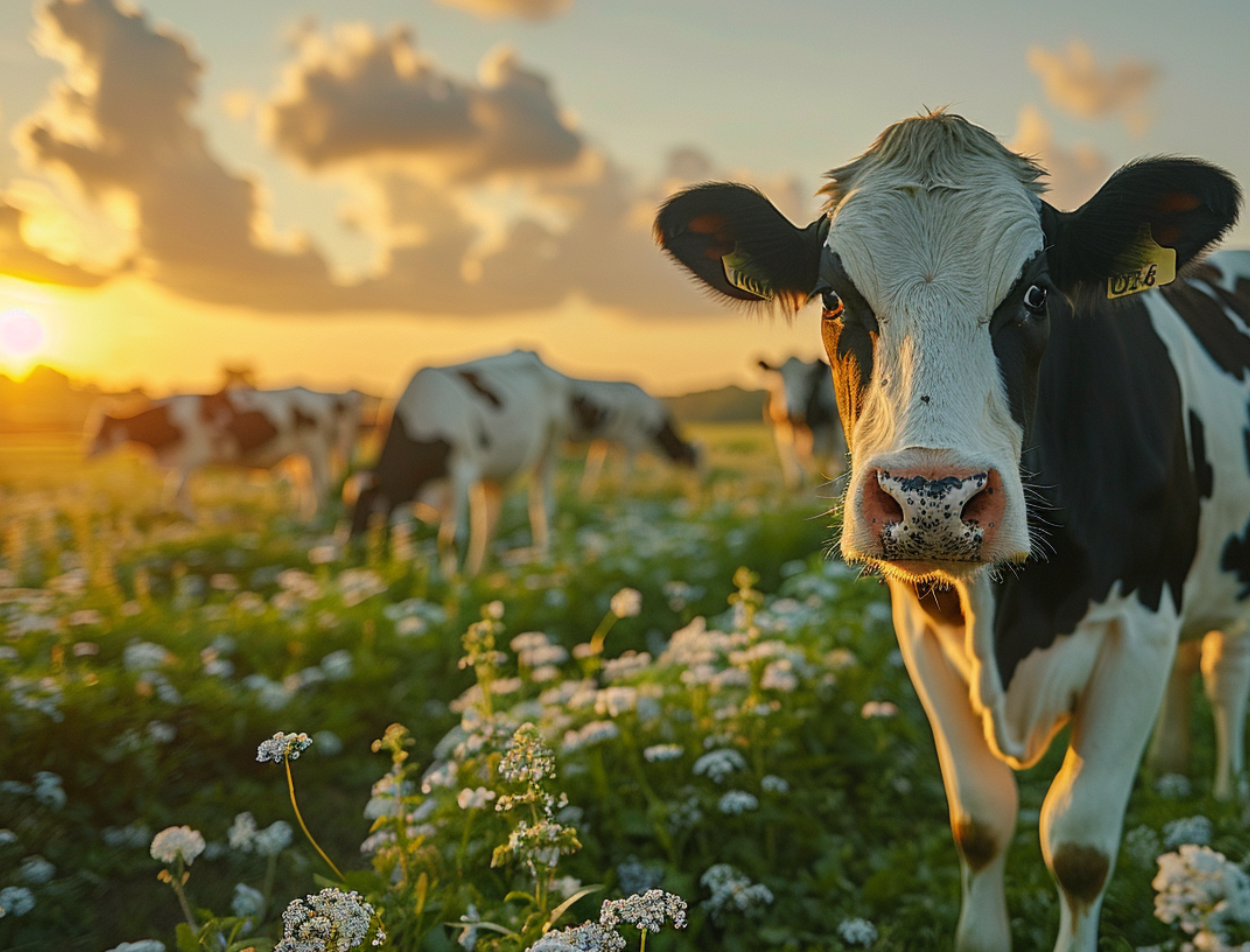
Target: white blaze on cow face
<point>933,227</point>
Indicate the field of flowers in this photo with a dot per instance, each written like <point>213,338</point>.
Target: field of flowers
<point>687,716</point>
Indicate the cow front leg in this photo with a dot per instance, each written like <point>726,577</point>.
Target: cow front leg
<point>453,526</point>
<point>980,789</point>
<point>1170,746</point>
<point>1083,815</point>
<point>540,505</point>
<point>1226,680</point>
<point>177,495</point>
<point>595,457</point>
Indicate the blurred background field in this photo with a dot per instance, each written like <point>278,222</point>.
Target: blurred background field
<point>762,725</point>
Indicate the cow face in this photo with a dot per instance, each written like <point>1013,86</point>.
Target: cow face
<point>939,270</point>
<point>790,388</point>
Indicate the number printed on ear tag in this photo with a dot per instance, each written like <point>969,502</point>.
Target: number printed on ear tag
<point>1157,268</point>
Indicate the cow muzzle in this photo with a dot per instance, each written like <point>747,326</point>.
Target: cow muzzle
<point>933,516</point>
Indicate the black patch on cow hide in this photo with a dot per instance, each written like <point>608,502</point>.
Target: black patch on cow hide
<point>587,415</point>
<point>1203,306</point>
<point>473,380</point>
<point>151,427</point>
<point>1204,473</point>
<point>677,449</point>
<point>404,466</point>
<point>303,421</point>
<point>1109,460</point>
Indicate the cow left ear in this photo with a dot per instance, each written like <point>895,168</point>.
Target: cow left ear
<point>736,242</point>
<point>1146,211</point>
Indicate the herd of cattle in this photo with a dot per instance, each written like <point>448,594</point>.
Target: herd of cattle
<point>1047,418</point>
<point>457,436</point>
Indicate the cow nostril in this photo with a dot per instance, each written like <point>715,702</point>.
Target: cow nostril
<point>880,508</point>
<point>985,507</point>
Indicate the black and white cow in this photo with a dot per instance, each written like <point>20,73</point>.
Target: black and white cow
<point>803,413</point>
<point>252,429</point>
<point>458,435</point>
<point>1054,484</point>
<point>608,413</point>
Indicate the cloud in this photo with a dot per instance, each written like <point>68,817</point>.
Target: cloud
<point>19,259</point>
<point>1073,174</point>
<point>1073,82</point>
<point>357,95</point>
<point>117,127</point>
<point>480,195</point>
<point>497,9</point>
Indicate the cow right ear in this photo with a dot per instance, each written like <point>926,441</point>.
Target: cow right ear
<point>737,243</point>
<point>765,365</point>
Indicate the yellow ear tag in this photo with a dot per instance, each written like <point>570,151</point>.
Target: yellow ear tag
<point>736,264</point>
<point>1157,267</point>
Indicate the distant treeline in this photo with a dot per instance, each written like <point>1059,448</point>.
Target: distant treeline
<point>727,405</point>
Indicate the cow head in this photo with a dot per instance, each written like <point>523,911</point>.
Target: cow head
<point>103,433</point>
<point>791,385</point>
<point>939,270</point>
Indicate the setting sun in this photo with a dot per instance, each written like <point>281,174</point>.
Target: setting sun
<point>22,337</point>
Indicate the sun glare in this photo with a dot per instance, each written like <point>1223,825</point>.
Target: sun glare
<point>22,338</point>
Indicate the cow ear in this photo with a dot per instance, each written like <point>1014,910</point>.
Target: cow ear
<point>737,243</point>
<point>1145,211</point>
<point>765,365</point>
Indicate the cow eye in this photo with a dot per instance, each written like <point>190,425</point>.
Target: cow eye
<point>832,305</point>
<point>1035,299</point>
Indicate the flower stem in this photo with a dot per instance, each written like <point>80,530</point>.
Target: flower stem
<point>176,882</point>
<point>290,782</point>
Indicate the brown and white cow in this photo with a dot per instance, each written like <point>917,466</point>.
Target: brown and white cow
<point>1049,468</point>
<point>803,414</point>
<point>240,427</point>
<point>618,413</point>
<point>458,436</point>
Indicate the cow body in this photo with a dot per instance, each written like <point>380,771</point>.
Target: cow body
<point>803,414</point>
<point>250,429</point>
<point>617,413</point>
<point>459,435</point>
<point>1054,484</point>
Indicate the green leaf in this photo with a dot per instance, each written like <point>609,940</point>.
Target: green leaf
<point>423,887</point>
<point>561,909</point>
<point>518,894</point>
<point>186,938</point>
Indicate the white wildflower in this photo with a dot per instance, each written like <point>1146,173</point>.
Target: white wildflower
<point>144,656</point>
<point>615,701</point>
<point>857,931</point>
<point>648,911</point>
<point>274,838</point>
<point>659,752</point>
<point>175,841</point>
<point>242,832</point>
<point>337,665</point>
<point>737,801</point>
<point>588,937</point>
<point>142,945</point>
<point>16,901</point>
<point>879,709</point>
<point>330,921</point>
<point>48,791</point>
<point>474,799</point>
<point>1173,786</point>
<point>247,901</point>
<point>1191,829</point>
<point>1201,891</point>
<point>282,746</point>
<point>627,603</point>
<point>719,764</point>
<point>732,890</point>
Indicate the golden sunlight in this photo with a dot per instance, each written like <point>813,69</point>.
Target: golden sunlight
<point>22,338</point>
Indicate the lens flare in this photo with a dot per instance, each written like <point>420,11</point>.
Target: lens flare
<point>22,335</point>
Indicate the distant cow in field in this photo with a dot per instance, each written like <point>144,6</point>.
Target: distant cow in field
<point>608,413</point>
<point>1049,468</point>
<point>458,436</point>
<point>252,429</point>
<point>803,414</point>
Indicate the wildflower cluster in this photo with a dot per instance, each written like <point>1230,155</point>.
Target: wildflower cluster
<point>1203,893</point>
<point>647,912</point>
<point>540,841</point>
<point>283,747</point>
<point>330,921</point>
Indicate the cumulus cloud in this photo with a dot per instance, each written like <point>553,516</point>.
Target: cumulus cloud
<point>480,195</point>
<point>19,259</point>
<point>1073,174</point>
<point>1074,82</point>
<point>497,9</point>
<point>357,95</point>
<point>117,128</point>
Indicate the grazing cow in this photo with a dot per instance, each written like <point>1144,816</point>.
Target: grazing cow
<point>254,429</point>
<point>1049,468</point>
<point>458,435</point>
<point>803,413</point>
<point>609,413</point>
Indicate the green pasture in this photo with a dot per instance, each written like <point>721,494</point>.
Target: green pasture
<point>145,657</point>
